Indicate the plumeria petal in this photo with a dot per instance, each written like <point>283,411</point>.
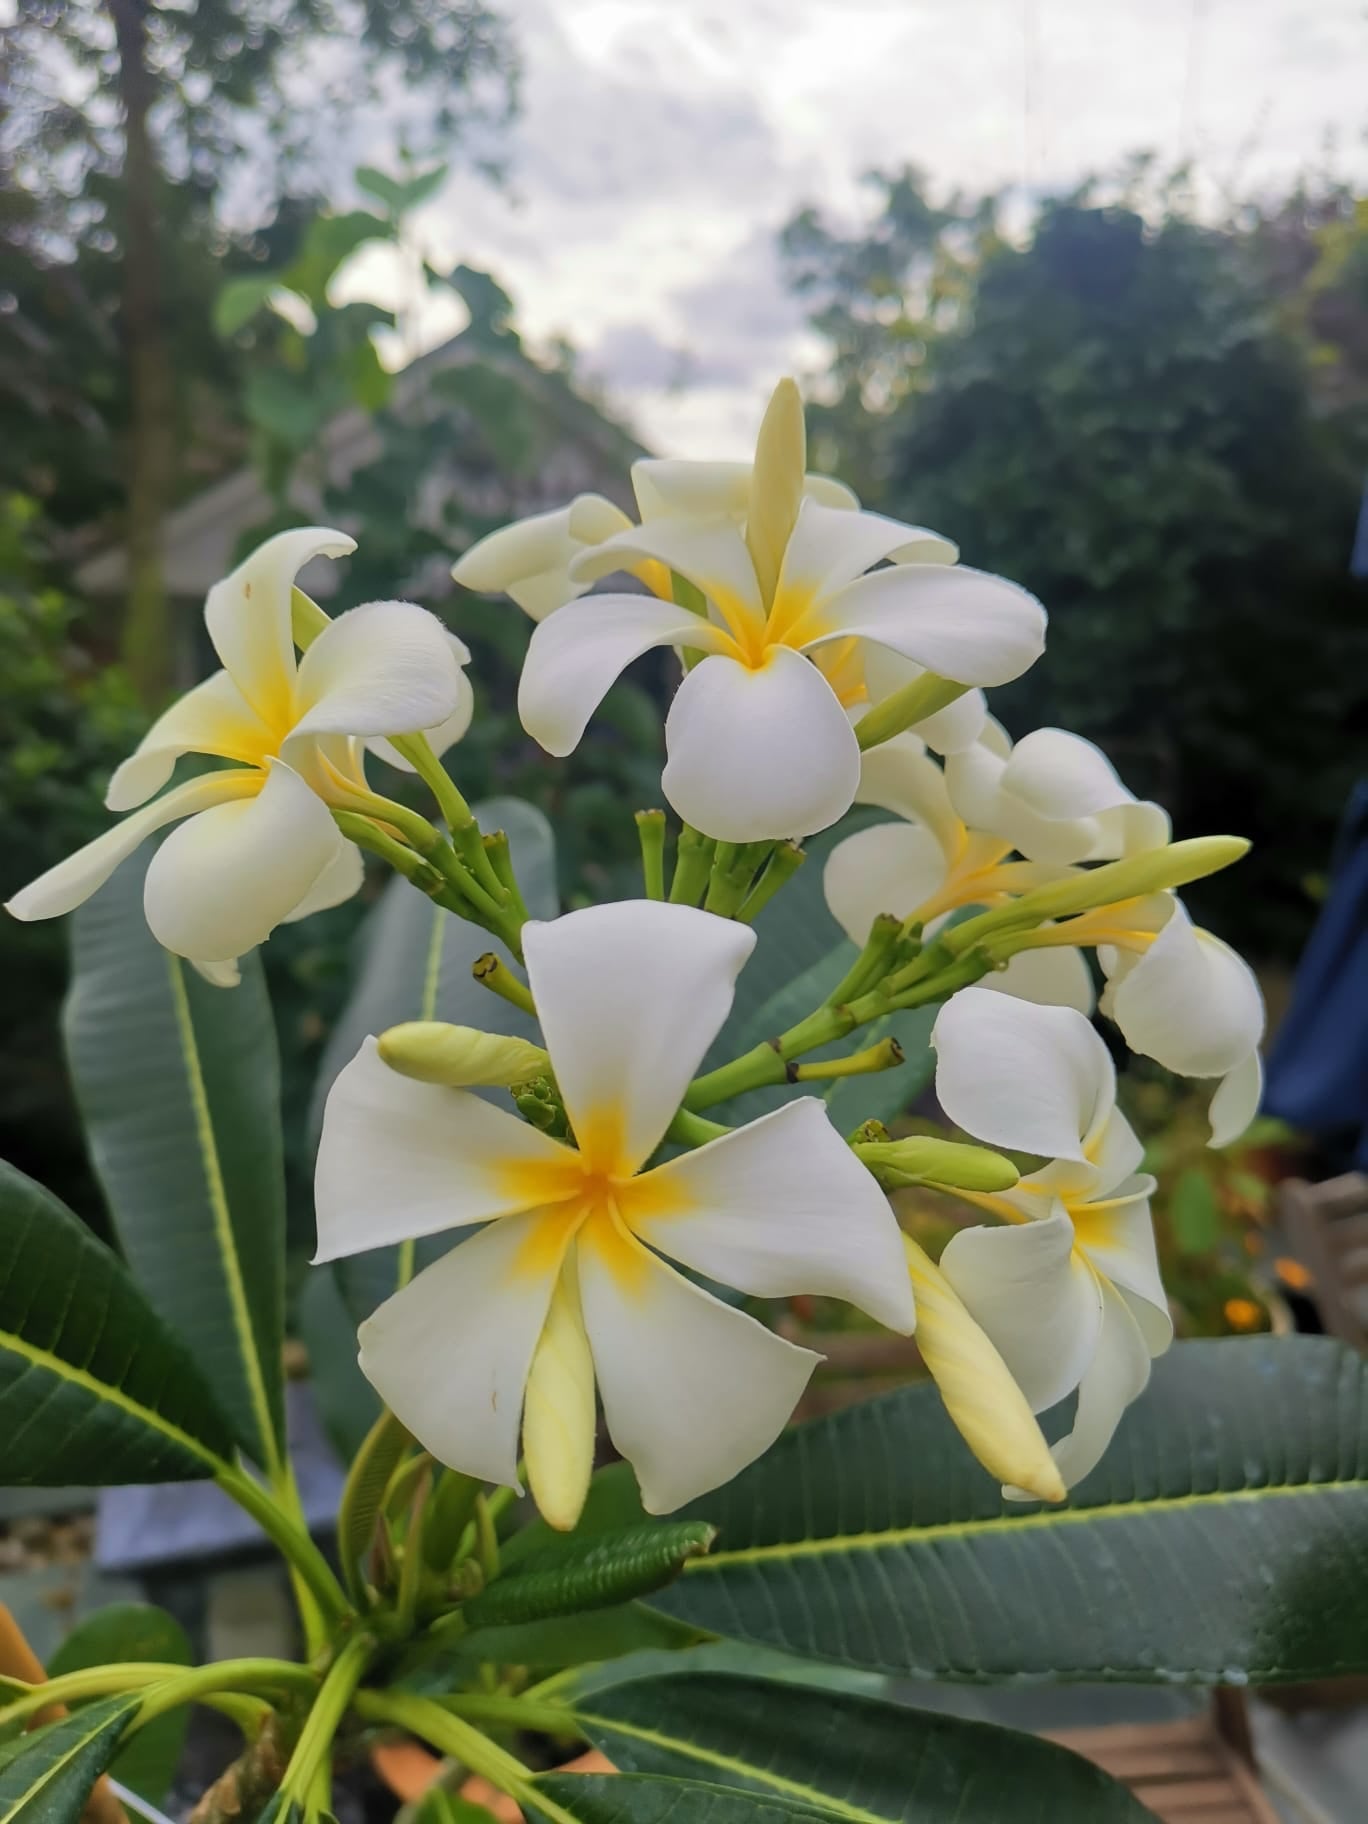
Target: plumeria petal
<point>221,883</point>
<point>630,995</point>
<point>780,1207</point>
<point>1190,1002</point>
<point>387,668</point>
<point>451,1353</point>
<point>1118,1238</point>
<point>986,1404</point>
<point>829,548</point>
<point>579,652</point>
<point>1116,1152</point>
<point>219,975</point>
<point>72,881</point>
<point>895,867</point>
<point>1119,1373</point>
<point>1057,976</point>
<point>692,1390</point>
<point>715,490</point>
<point>1236,1101</point>
<point>445,734</point>
<point>530,560</point>
<point>758,754</point>
<point>711,554</point>
<point>213,718</point>
<point>900,776</point>
<point>399,1159</point>
<point>1036,1298</point>
<point>248,617</point>
<point>1038,1079</point>
<point>342,878</point>
<point>962,624</point>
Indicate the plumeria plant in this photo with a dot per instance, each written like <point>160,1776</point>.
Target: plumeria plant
<point>569,1167</point>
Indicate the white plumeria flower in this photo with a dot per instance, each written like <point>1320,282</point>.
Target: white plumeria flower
<point>931,863</point>
<point>259,845</point>
<point>567,1286</point>
<point>530,560</point>
<point>1179,994</point>
<point>1068,1289</point>
<point>759,742</point>
<point>1053,796</point>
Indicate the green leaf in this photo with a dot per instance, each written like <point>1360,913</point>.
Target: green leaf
<point>856,1757</point>
<point>613,1505</point>
<point>50,1782</point>
<point>415,965</point>
<point>603,1798</point>
<point>330,240</point>
<point>1218,1541</point>
<point>438,1806</point>
<point>93,1387</point>
<point>563,1640</point>
<point>179,1089</point>
<point>134,1631</point>
<point>1194,1214</point>
<point>603,1571</point>
<point>240,300</point>
<point>347,1403</point>
<point>386,190</point>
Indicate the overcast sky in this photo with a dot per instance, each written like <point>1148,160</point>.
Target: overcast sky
<point>661,144</point>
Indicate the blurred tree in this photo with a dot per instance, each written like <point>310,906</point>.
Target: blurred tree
<point>111,106</point>
<point>1123,414</point>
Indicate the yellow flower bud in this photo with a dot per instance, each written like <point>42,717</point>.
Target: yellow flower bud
<point>558,1410</point>
<point>1155,871</point>
<point>460,1056</point>
<point>987,1406</point>
<point>776,484</point>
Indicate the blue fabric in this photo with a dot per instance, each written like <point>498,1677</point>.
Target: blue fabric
<point>1358,562</point>
<point>1318,1072</point>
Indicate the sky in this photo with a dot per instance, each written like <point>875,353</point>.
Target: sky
<point>661,145</point>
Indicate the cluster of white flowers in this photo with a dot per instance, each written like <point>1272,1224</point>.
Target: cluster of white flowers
<point>828,657</point>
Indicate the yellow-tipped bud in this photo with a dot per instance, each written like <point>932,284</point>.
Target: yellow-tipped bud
<point>948,1164</point>
<point>988,1408</point>
<point>558,1410</point>
<point>776,484</point>
<point>459,1056</point>
<point>1156,871</point>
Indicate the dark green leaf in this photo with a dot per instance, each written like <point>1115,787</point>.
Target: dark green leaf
<point>1218,1540</point>
<point>179,1088</point>
<point>564,1640</point>
<point>386,190</point>
<point>613,1505</point>
<point>856,1757</point>
<point>438,1806</point>
<point>134,1631</point>
<point>50,1782</point>
<point>347,1403</point>
<point>93,1387</point>
<point>602,1572</point>
<point>601,1798</point>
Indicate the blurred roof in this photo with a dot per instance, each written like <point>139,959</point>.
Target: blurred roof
<point>580,449</point>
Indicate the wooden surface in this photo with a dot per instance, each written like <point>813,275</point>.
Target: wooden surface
<point>1185,1772</point>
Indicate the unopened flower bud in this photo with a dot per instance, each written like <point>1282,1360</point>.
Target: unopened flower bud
<point>460,1056</point>
<point>1156,871</point>
<point>947,1164</point>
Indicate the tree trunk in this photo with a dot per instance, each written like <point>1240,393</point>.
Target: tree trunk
<point>147,643</point>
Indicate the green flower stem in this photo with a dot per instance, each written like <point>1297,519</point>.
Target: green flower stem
<point>886,1055</point>
<point>500,853</point>
<point>734,868</point>
<point>912,704</point>
<point>771,1061</point>
<point>495,975</point>
<point>651,835</point>
<point>486,1537</point>
<point>456,813</point>
<point>334,1699</point>
<point>873,962</point>
<point>311,1617</point>
<point>783,864</point>
<point>511,1712</point>
<point>294,1542</point>
<point>456,1739</point>
<point>204,1681</point>
<point>368,835</point>
<point>136,1675</point>
<point>693,864</point>
<point>692,1130</point>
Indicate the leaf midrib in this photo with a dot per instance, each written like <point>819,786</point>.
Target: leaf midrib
<point>50,1773</point>
<point>111,1395</point>
<point>223,1220</point>
<point>1001,1524</point>
<point>710,1757</point>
